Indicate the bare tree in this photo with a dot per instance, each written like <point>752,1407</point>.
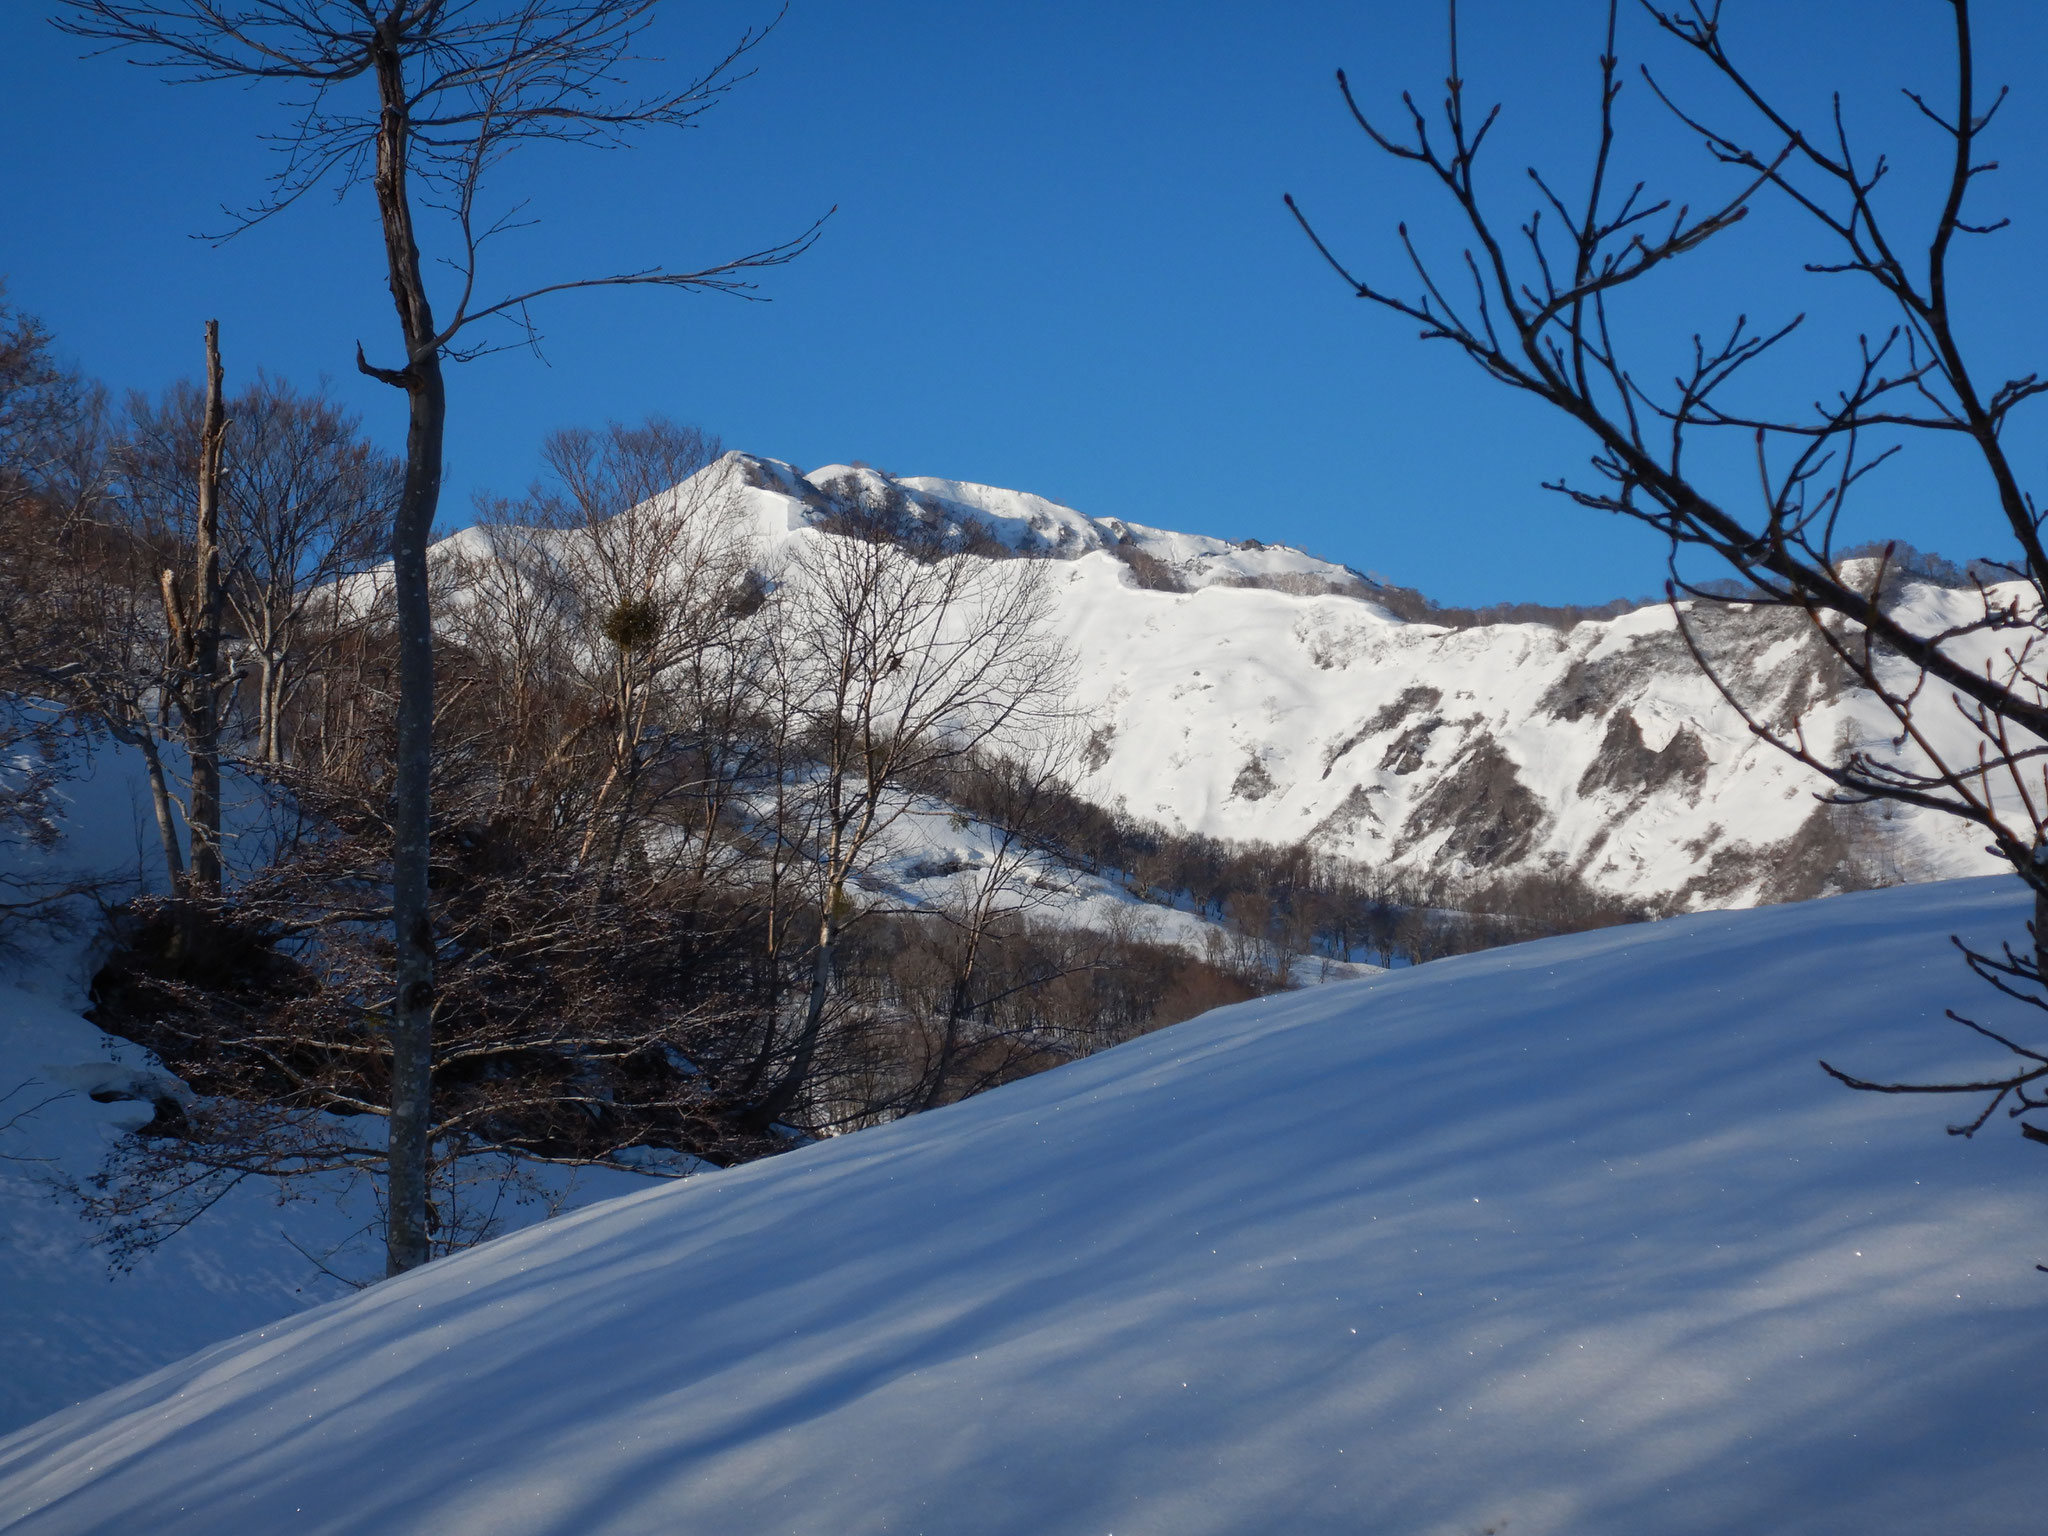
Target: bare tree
<point>894,659</point>
<point>53,466</point>
<point>252,529</point>
<point>81,619</point>
<point>656,567</point>
<point>192,615</point>
<point>1015,798</point>
<point>1539,301</point>
<point>40,401</point>
<point>457,87</point>
<point>610,607</point>
<point>572,998</point>
<point>306,501</point>
<point>115,669</point>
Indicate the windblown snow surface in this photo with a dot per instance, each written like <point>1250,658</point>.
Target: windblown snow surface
<point>1572,1237</point>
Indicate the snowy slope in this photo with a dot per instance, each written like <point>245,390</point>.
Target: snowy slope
<point>1600,749</point>
<point>70,1325</point>
<point>931,856</point>
<point>1274,700</point>
<point>1565,1238</point>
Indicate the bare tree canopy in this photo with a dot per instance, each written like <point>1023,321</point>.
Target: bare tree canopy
<point>1540,299</point>
<point>470,82</point>
<point>422,99</point>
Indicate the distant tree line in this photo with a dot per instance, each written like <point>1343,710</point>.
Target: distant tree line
<point>1299,903</point>
<point>1411,605</point>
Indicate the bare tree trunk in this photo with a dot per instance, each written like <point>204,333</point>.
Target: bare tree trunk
<point>202,704</point>
<point>775,931</point>
<point>785,1092</point>
<point>957,1009</point>
<point>194,623</point>
<point>412,1013</point>
<point>407,1239</point>
<point>840,854</point>
<point>160,802</point>
<point>143,738</point>
<point>268,678</point>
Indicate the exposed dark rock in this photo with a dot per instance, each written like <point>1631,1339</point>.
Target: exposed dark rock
<point>1356,806</point>
<point>1837,848</point>
<point>768,475</point>
<point>1599,685</point>
<point>1627,765</point>
<point>1594,844</point>
<point>1814,861</point>
<point>1699,846</point>
<point>1148,571</point>
<point>1252,781</point>
<point>1815,677</point>
<point>1300,583</point>
<point>1732,638</point>
<point>1388,716</point>
<point>1493,817</point>
<point>1406,751</point>
<point>1409,604</point>
<point>1096,751</point>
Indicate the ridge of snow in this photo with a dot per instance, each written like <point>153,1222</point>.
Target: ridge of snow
<point>1570,1237</point>
<point>1035,525</point>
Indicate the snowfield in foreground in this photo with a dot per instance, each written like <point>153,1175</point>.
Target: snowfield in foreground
<point>1572,1237</point>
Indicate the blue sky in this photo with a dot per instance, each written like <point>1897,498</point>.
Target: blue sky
<point>1060,261</point>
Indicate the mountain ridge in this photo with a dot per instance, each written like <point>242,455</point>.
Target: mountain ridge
<point>1258,693</point>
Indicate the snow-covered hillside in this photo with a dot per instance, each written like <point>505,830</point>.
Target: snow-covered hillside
<point>1273,699</point>
<point>70,1323</point>
<point>1572,1237</point>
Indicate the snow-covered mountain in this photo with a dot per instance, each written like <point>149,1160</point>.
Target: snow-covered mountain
<point>1254,691</point>
<point>1565,1239</point>
<point>1569,1237</point>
